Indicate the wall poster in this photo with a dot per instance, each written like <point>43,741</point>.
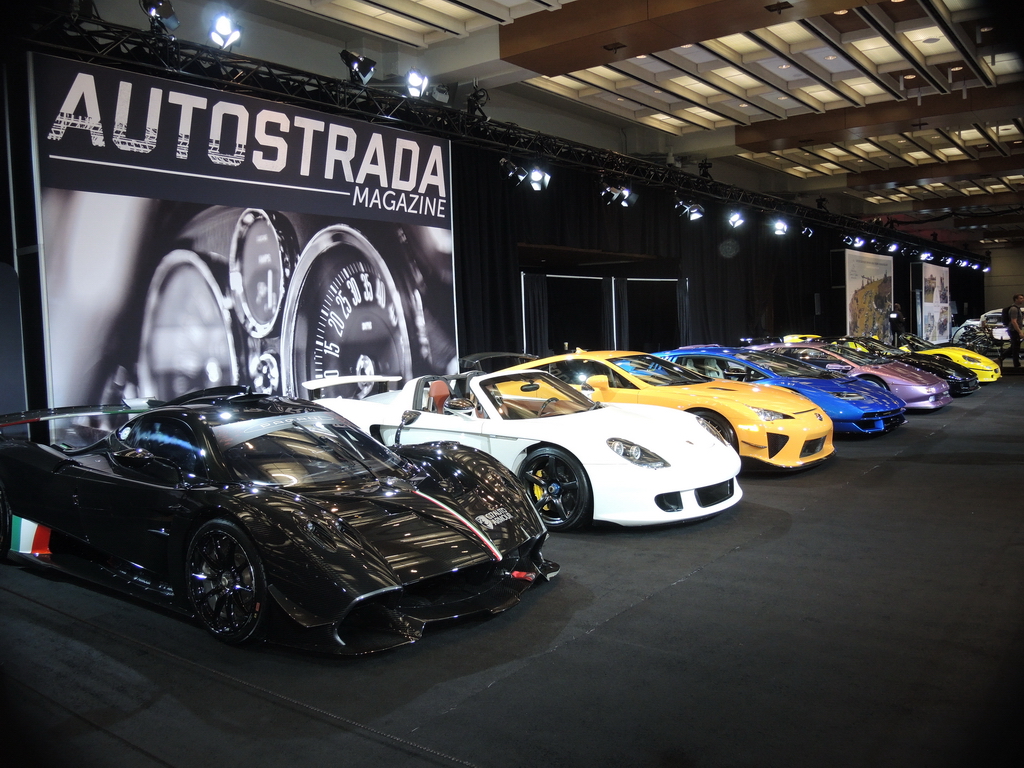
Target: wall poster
<point>195,238</point>
<point>868,294</point>
<point>935,314</point>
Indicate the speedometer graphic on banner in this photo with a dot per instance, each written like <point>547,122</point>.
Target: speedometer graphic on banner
<point>343,314</point>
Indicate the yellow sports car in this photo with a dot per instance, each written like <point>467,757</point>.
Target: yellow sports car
<point>986,370</point>
<point>771,425</point>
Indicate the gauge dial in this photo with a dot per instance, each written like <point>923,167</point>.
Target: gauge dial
<point>186,330</point>
<point>262,255</point>
<point>343,315</point>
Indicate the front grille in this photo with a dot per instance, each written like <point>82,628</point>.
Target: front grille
<point>776,443</point>
<point>669,502</point>
<point>710,495</point>
<point>812,447</point>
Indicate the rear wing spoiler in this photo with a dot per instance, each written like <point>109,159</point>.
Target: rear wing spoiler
<point>52,414</point>
<point>314,386</point>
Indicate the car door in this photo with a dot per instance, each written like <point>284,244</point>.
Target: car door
<point>128,504</point>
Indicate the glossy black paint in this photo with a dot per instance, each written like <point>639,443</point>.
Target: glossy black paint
<point>352,567</point>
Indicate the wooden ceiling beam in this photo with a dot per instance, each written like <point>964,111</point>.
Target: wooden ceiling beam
<point>937,173</point>
<point>939,111</point>
<point>592,33</point>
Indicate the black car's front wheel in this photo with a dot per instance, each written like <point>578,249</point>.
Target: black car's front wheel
<point>559,488</point>
<point>226,585</point>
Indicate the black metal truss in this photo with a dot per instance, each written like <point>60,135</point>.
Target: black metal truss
<point>99,42</point>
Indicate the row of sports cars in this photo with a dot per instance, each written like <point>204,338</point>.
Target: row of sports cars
<point>349,524</point>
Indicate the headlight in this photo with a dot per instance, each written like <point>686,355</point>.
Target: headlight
<point>636,454</point>
<point>765,415</point>
<point>849,395</point>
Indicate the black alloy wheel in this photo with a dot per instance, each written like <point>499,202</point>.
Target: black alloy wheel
<point>721,425</point>
<point>559,488</point>
<point>226,584</point>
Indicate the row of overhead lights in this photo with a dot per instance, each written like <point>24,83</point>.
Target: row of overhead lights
<point>163,20</point>
<point>880,246</point>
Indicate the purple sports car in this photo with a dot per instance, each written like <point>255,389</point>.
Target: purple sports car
<point>920,390</point>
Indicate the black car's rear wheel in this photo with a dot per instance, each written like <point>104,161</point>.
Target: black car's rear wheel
<point>559,488</point>
<point>226,584</point>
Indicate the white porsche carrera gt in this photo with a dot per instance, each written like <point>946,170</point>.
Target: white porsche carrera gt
<point>581,460</point>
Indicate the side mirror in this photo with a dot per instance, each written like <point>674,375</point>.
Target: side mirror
<point>155,467</point>
<point>598,382</point>
<point>408,417</point>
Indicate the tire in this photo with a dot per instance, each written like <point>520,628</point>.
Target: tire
<point>721,425</point>
<point>876,381</point>
<point>559,488</point>
<point>226,585</point>
<point>6,522</point>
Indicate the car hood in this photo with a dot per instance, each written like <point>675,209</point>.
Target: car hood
<point>872,398</point>
<point>421,532</point>
<point>757,395</point>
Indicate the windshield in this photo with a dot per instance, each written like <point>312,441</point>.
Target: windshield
<point>303,449</point>
<point>917,343</point>
<point>784,366</point>
<point>657,372</point>
<point>532,395</point>
<point>872,345</point>
<point>859,357</point>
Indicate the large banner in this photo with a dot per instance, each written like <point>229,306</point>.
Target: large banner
<point>194,238</point>
<point>868,294</point>
<point>935,316</point>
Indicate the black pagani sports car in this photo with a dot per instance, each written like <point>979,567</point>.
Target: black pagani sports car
<point>271,517</point>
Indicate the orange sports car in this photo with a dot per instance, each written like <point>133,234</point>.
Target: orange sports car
<point>769,425</point>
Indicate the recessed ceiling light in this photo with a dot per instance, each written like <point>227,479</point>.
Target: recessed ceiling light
<point>842,12</point>
<point>831,57</point>
<point>744,105</point>
<point>909,77</point>
<point>784,66</point>
<point>688,45</point>
<point>902,141</point>
<point>783,98</point>
<point>657,91</point>
<point>987,29</point>
<point>930,40</point>
<point>642,56</point>
<point>955,69</point>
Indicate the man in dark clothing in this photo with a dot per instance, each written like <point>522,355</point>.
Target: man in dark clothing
<point>897,323</point>
<point>1015,327</point>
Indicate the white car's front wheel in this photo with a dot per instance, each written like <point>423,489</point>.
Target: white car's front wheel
<point>559,488</point>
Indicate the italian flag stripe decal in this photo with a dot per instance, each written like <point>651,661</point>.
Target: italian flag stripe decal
<point>29,538</point>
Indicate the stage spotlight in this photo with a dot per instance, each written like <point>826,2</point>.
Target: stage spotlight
<point>513,171</point>
<point>695,212</point>
<point>539,179</point>
<point>807,232</point>
<point>224,32</point>
<point>161,15</point>
<point>440,94</point>
<point>858,242</point>
<point>475,102</point>
<point>986,269</point>
<point>615,194</point>
<point>975,266</point>
<point>360,68</point>
<point>822,204</point>
<point>416,83</point>
<point>705,169</point>
<point>735,220</point>
<point>926,256</point>
<point>848,240</point>
<point>781,227</point>
<point>894,248</point>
